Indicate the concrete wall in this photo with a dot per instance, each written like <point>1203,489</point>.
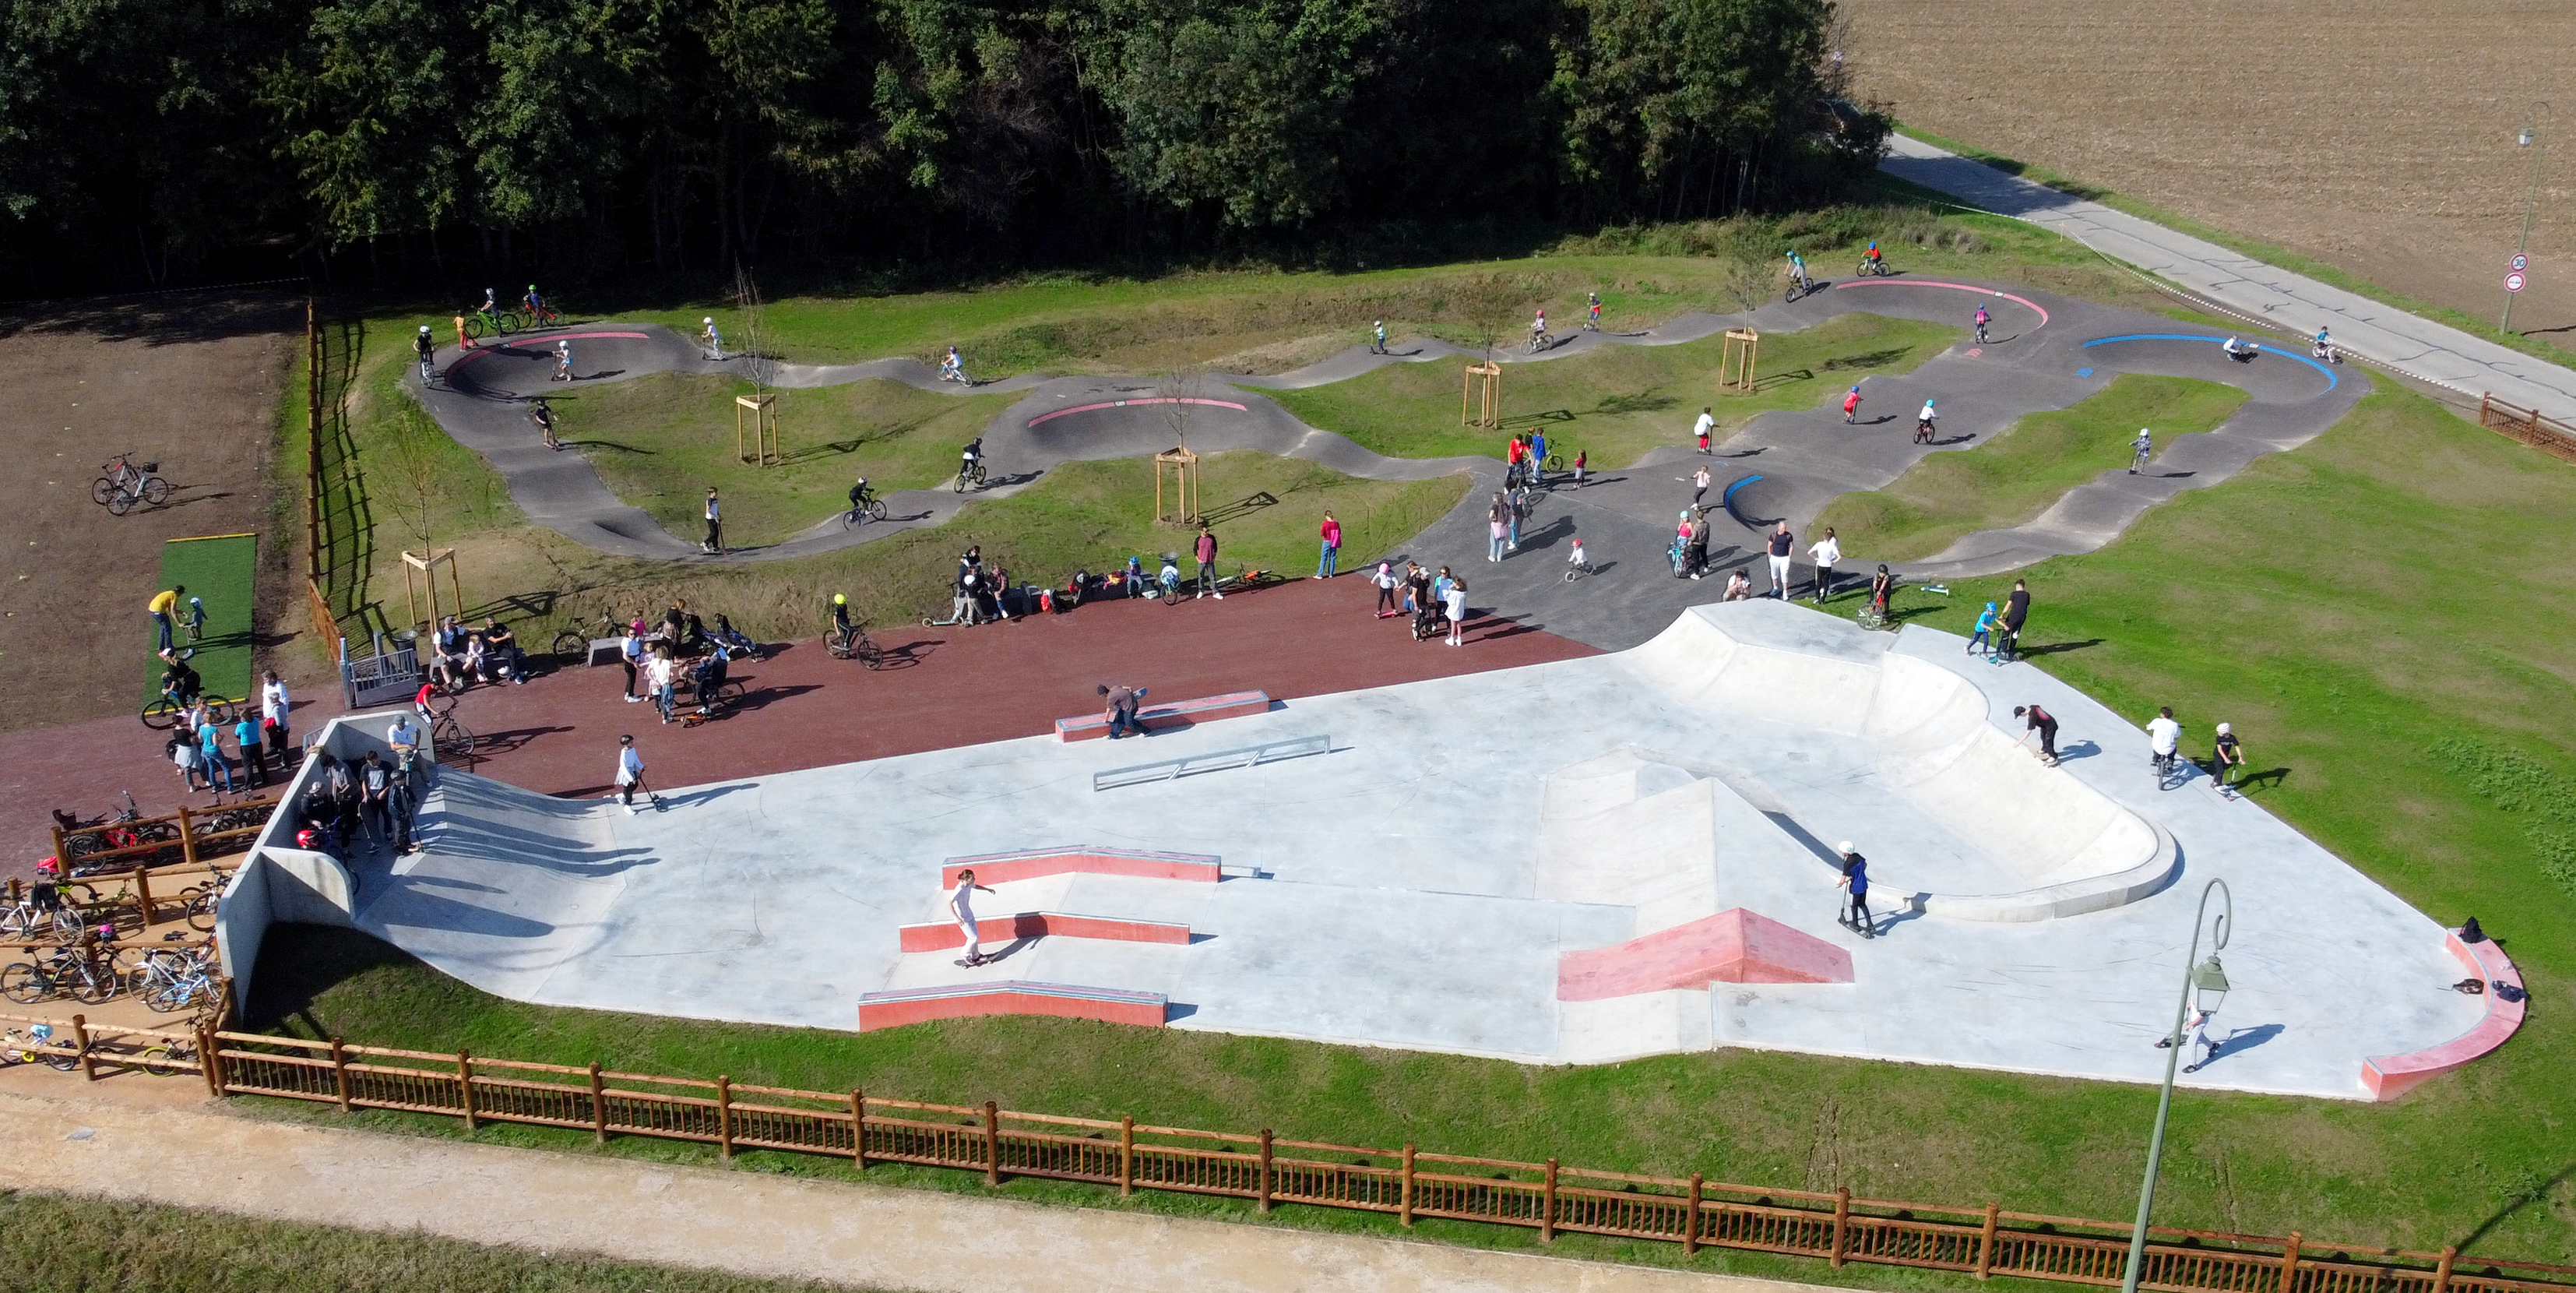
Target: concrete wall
<point>281,882</point>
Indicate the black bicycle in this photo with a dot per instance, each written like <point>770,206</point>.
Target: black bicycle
<point>872,508</point>
<point>854,642</point>
<point>968,473</point>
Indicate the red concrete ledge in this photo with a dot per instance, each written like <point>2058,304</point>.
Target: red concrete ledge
<point>1010,997</point>
<point>2390,1076</point>
<point>1179,713</point>
<point>1030,864</point>
<point>1733,946</point>
<point>939,936</point>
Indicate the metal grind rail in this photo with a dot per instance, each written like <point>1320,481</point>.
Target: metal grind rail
<point>1249,756</point>
<point>1267,1170</point>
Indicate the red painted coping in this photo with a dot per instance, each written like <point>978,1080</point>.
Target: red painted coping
<point>1179,713</point>
<point>2390,1076</point>
<point>1029,864</point>
<point>939,936</point>
<point>1010,997</point>
<point>1733,946</point>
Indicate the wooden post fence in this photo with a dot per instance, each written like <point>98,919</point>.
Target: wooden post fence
<point>1126,1155</point>
<point>1547,1207</point>
<point>858,1129</point>
<point>1265,1170</point>
<point>465,1087</point>
<point>340,1072</point>
<point>1842,1223</point>
<point>724,1116</point>
<point>598,1107</point>
<point>1690,1219</point>
<point>2290,1264</point>
<point>992,1143</point>
<point>1404,1209</point>
<point>1986,1241</point>
<point>80,1038</point>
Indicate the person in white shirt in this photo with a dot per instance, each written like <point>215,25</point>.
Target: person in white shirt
<point>2164,736</point>
<point>1700,429</point>
<point>715,339</point>
<point>1826,552</point>
<point>272,703</point>
<point>715,524</point>
<point>2197,1029</point>
<point>662,673</point>
<point>2141,449</point>
<point>1456,598</point>
<point>630,776</point>
<point>961,908</point>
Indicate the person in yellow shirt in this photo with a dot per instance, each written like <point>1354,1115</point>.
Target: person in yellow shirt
<point>164,608</point>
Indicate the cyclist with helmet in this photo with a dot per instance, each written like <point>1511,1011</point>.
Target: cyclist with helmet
<point>841,614</point>
<point>714,339</point>
<point>1983,319</point>
<point>1877,261</point>
<point>1798,271</point>
<point>427,349</point>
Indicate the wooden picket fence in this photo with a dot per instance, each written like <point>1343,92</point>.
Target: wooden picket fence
<point>1268,1170</point>
<point>2547,434</point>
<point>183,838</point>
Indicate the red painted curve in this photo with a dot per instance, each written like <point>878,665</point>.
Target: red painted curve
<point>2023,301</point>
<point>939,936</point>
<point>1120,404</point>
<point>2390,1076</point>
<point>1733,946</point>
<point>1179,713</point>
<point>479,351</point>
<point>1031,864</point>
<point>1010,997</point>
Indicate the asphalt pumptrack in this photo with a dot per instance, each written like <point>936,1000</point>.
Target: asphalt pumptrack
<point>1628,848</point>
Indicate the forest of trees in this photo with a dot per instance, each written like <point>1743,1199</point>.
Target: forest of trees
<point>145,142</point>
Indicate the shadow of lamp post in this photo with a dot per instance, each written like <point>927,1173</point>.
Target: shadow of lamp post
<point>2204,986</point>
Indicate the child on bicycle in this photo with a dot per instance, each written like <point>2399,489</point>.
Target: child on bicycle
<point>427,349</point>
<point>195,622</point>
<point>1877,262</point>
<point>860,495</point>
<point>1593,323</point>
<point>1983,319</point>
<point>1574,557</point>
<point>1798,270</point>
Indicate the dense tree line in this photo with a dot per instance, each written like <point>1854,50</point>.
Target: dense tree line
<point>146,140</point>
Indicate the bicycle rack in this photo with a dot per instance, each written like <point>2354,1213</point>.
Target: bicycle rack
<point>1250,756</point>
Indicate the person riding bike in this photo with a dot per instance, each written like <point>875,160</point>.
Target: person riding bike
<point>427,349</point>
<point>2324,347</point>
<point>1877,261</point>
<point>1983,319</point>
<point>972,454</point>
<point>841,614</point>
<point>1592,322</point>
<point>1798,271</point>
<point>179,682</point>
<point>1538,329</point>
<point>953,368</point>
<point>861,495</point>
<point>2242,352</point>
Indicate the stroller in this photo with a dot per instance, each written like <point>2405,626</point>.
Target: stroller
<point>734,641</point>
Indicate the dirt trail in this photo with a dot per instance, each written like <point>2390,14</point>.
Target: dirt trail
<point>157,1144</point>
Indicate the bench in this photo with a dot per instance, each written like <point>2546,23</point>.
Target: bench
<point>1163,717</point>
<point>939,936</point>
<point>2390,1076</point>
<point>1081,859</point>
<point>894,1009</point>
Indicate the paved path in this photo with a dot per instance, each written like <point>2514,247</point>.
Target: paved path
<point>748,1223</point>
<point>2383,334</point>
<point>2047,352</point>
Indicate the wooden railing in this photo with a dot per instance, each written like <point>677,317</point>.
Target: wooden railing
<point>2547,434</point>
<point>1267,1170</point>
<point>182,838</point>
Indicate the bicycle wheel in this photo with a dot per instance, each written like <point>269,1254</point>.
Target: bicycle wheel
<point>60,1063</point>
<point>202,908</point>
<point>454,741</point>
<point>161,714</point>
<point>23,983</point>
<point>572,647</point>
<point>870,654</point>
<point>95,985</point>
<point>156,491</point>
<point>961,482</point>
<point>161,1059</point>
<point>100,489</point>
<point>119,502</point>
<point>876,509</point>
<point>476,327</point>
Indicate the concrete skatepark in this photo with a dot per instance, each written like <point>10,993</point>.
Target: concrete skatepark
<point>1584,861</point>
<point>2047,352</point>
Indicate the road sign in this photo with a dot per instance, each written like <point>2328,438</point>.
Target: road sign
<point>2520,262</point>
<point>2513,282</point>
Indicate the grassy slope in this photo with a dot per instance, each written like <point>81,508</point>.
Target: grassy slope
<point>661,441</point>
<point>50,1242</point>
<point>2310,601</point>
<point>2015,476</point>
<point>1615,402</point>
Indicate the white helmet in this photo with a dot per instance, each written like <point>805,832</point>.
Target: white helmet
<point>424,329</point>
<point>1845,848</point>
<point>2225,730</point>
<point>563,345</point>
<point>709,319</point>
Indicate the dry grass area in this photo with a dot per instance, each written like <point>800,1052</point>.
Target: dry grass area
<point>2377,138</point>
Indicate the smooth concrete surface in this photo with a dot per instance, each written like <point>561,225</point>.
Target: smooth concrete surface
<point>758,1225</point>
<point>1417,887</point>
<point>2404,343</point>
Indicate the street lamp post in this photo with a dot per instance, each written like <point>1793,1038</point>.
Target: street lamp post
<point>2529,138</point>
<point>2203,984</point>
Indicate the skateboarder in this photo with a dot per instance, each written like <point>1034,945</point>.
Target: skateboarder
<point>2225,757</point>
<point>962,908</point>
<point>2035,719</point>
<point>1855,879</point>
<point>630,776</point>
<point>1120,708</point>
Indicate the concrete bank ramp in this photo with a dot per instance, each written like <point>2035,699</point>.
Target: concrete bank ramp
<point>1926,732</point>
<point>509,885</point>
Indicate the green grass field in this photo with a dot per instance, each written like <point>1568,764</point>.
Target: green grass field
<point>2013,477</point>
<point>661,441</point>
<point>1614,402</point>
<point>68,1245</point>
<point>2425,739</point>
<point>219,570</point>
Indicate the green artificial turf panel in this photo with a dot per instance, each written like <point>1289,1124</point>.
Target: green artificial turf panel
<point>2014,476</point>
<point>220,570</point>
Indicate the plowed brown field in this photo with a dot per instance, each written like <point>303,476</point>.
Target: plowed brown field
<point>2377,137</point>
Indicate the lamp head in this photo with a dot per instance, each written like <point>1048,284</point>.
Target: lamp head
<point>2524,139</point>
<point>2209,983</point>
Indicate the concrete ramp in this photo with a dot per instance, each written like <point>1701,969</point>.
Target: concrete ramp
<point>1735,946</point>
<point>509,885</point>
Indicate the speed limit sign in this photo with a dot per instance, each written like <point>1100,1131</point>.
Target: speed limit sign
<point>2520,262</point>
<point>2513,282</point>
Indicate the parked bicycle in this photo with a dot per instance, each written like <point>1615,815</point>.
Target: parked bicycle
<point>124,484</point>
<point>174,978</point>
<point>65,971</point>
<point>15,1044</point>
<point>168,1058</point>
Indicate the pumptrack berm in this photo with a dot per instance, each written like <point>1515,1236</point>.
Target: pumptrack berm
<point>2046,352</point>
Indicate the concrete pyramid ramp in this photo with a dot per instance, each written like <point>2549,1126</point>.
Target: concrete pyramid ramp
<point>509,886</point>
<point>1733,946</point>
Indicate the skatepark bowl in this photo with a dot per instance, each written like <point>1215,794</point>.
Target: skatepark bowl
<point>1594,859</point>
